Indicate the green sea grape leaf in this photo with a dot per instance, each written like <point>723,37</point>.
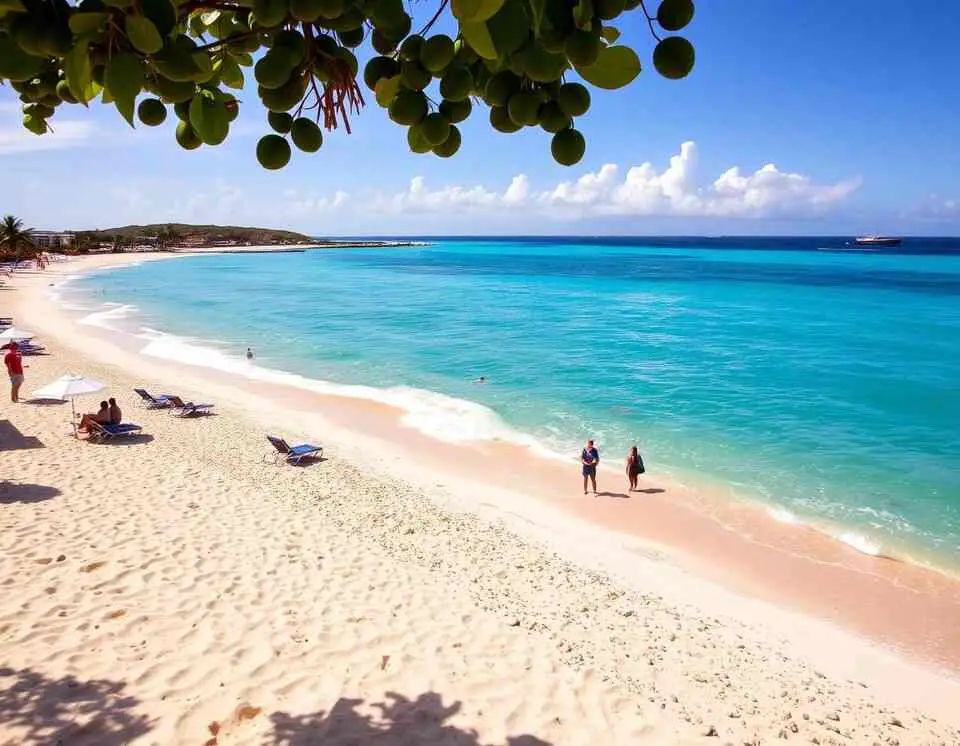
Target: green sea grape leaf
<point>386,90</point>
<point>610,34</point>
<point>87,23</point>
<point>583,13</point>
<point>479,39</point>
<point>123,80</point>
<point>475,11</point>
<point>230,73</point>
<point>15,5</point>
<point>508,29</point>
<point>76,68</point>
<point>537,8</point>
<point>615,67</point>
<point>143,34</point>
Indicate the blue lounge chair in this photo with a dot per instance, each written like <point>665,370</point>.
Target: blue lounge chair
<point>180,408</point>
<point>152,402</point>
<point>107,430</point>
<point>295,454</point>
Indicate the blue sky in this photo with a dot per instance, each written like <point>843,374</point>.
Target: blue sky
<point>852,101</point>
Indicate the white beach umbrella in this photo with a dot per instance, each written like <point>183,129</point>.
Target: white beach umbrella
<point>15,333</point>
<point>68,387</point>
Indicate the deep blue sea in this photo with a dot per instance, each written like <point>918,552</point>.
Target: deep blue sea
<point>822,381</point>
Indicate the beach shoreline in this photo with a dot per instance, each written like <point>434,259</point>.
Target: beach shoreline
<point>671,542</point>
<point>749,550</point>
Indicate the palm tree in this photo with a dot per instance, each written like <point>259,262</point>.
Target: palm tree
<point>15,240</point>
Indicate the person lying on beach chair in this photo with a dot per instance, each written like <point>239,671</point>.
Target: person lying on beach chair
<point>108,430</point>
<point>180,408</point>
<point>101,417</point>
<point>152,402</point>
<point>293,454</point>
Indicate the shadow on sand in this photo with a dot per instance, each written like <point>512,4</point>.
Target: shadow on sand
<point>21,492</point>
<point>11,439</point>
<point>398,722</point>
<point>122,440</point>
<point>68,710</point>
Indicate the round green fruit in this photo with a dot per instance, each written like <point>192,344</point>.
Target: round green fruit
<point>607,10</point>
<point>437,53</point>
<point>500,120</point>
<point>673,15</point>
<point>270,13</point>
<point>273,69</point>
<point>64,92</point>
<point>456,84</point>
<point>411,48</point>
<point>540,65</point>
<point>501,87</point>
<point>409,107</point>
<point>573,99</point>
<point>293,42</point>
<point>377,69</point>
<point>273,152</point>
<point>306,10</point>
<point>152,112</point>
<point>416,140</point>
<point>352,38</point>
<point>383,44</point>
<point>333,9</point>
<point>435,129</point>
<point>182,110</point>
<point>552,117</point>
<point>582,48</point>
<point>524,108</point>
<point>449,146</point>
<point>456,111</point>
<point>186,137</point>
<point>306,135</point>
<point>172,91</point>
<point>279,121</point>
<point>413,76</point>
<point>568,147</point>
<point>674,57</point>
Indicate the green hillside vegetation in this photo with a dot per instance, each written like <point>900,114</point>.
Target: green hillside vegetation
<point>183,234</point>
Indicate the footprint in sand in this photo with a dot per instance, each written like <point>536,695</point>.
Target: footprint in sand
<point>92,566</point>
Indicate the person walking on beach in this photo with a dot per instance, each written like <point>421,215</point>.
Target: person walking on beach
<point>14,363</point>
<point>634,468</point>
<point>589,458</point>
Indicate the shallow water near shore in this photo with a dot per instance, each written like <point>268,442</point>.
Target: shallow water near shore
<point>821,383</point>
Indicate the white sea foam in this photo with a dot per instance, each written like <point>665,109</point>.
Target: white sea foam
<point>443,417</point>
<point>861,543</point>
<point>111,312</point>
<point>782,515</point>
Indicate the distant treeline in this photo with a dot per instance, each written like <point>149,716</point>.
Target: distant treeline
<point>174,234</point>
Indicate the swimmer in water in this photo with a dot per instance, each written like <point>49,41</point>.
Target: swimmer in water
<point>249,354</point>
<point>481,379</point>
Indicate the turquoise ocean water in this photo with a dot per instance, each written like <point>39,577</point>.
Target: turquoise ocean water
<point>825,384</point>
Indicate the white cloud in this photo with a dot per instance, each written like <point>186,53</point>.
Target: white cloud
<point>643,190</point>
<point>64,134</point>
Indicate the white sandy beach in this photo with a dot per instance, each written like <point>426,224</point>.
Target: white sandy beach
<point>174,589</point>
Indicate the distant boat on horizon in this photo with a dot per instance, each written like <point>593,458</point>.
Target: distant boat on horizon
<point>876,241</point>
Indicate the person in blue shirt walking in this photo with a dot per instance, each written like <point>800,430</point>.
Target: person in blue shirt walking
<point>589,458</point>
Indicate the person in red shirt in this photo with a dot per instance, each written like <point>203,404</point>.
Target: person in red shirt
<point>14,363</point>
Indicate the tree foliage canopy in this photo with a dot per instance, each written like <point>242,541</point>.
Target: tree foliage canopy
<point>510,56</point>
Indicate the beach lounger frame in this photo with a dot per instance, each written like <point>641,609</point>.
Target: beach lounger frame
<point>293,454</point>
<point>149,401</point>
<point>180,408</point>
<point>100,431</point>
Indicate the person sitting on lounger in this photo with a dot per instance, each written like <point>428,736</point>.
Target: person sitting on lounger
<point>116,416</point>
<point>102,417</point>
